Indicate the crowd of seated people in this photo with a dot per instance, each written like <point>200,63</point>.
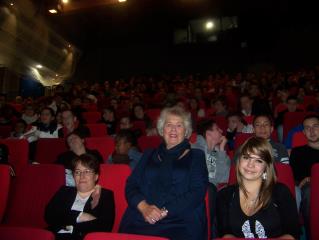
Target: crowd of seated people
<point>222,107</point>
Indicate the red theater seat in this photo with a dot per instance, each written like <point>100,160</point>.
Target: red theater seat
<point>18,153</point>
<point>31,191</point>
<point>145,142</point>
<point>153,113</point>
<point>48,149</point>
<point>5,131</point>
<point>299,139</point>
<point>24,233</point>
<point>4,186</point>
<point>292,119</point>
<point>113,177</point>
<point>91,117</point>
<point>105,145</point>
<point>119,236</point>
<point>314,200</point>
<point>97,129</point>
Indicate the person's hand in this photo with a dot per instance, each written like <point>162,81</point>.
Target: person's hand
<point>85,217</point>
<point>304,181</point>
<point>96,196</point>
<point>151,213</point>
<point>223,142</point>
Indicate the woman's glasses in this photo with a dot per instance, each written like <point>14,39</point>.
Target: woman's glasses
<point>85,172</point>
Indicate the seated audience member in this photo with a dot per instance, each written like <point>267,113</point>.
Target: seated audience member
<point>257,206</point>
<point>126,151</point>
<point>210,139</point>
<point>20,128</point>
<point>71,123</point>
<point>47,127</point>
<point>263,127</point>
<point>220,106</point>
<point>236,124</point>
<point>292,104</point>
<point>29,115</point>
<point>108,118</point>
<point>140,115</point>
<point>75,142</point>
<point>126,123</point>
<point>75,211</point>
<point>166,190</point>
<point>246,104</point>
<point>260,101</point>
<point>301,160</point>
<point>4,158</point>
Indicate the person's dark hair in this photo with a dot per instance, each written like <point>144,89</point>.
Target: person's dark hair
<point>128,135</point>
<point>76,132</point>
<point>205,125</point>
<point>87,160</point>
<point>22,121</point>
<point>222,99</point>
<point>309,116</point>
<point>292,97</point>
<point>265,116</point>
<point>239,115</point>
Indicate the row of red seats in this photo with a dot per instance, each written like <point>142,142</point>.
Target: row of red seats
<point>31,191</point>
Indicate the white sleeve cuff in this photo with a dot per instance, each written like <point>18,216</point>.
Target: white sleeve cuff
<point>78,218</point>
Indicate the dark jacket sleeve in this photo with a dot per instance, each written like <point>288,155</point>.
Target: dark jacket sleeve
<point>197,188</point>
<point>224,199</point>
<point>104,213</point>
<point>133,192</point>
<point>287,209</point>
<point>58,213</point>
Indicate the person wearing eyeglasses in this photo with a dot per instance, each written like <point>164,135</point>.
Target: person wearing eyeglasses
<point>166,191</point>
<point>257,206</point>
<point>75,211</point>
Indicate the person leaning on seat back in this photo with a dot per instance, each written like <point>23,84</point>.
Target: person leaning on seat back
<point>257,206</point>
<point>76,211</point>
<point>166,190</point>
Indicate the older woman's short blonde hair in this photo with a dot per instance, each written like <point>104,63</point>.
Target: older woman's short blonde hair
<point>179,112</point>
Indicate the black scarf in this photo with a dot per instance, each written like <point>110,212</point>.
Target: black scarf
<point>166,157</point>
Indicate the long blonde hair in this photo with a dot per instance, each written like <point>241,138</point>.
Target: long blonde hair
<point>263,149</point>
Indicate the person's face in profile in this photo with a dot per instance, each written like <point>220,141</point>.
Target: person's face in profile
<point>174,131</point>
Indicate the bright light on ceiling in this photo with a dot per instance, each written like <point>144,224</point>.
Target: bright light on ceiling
<point>65,1</point>
<point>209,25</point>
<point>39,66</point>
<point>122,0</point>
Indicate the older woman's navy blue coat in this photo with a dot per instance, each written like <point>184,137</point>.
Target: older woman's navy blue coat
<point>184,200</point>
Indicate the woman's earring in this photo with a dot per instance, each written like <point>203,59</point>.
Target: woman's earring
<point>264,176</point>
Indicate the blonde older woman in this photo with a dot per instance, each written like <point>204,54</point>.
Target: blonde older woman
<point>166,190</point>
<point>258,206</point>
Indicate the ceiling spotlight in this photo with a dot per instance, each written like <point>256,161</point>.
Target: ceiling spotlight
<point>11,4</point>
<point>209,25</point>
<point>122,0</point>
<point>53,11</point>
<point>39,66</point>
<point>65,1</point>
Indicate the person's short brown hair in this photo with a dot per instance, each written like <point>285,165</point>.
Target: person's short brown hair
<point>88,161</point>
